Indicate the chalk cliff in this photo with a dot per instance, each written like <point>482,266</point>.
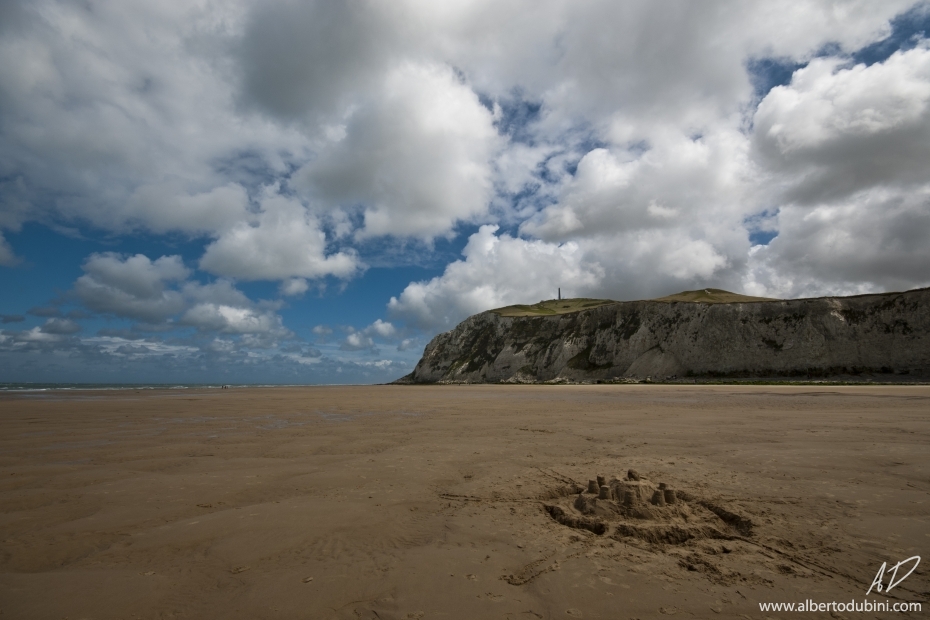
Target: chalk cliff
<point>877,337</point>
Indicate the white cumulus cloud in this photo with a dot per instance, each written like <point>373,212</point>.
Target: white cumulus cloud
<point>498,270</point>
<point>285,242</point>
<point>294,287</point>
<point>365,338</point>
<point>629,150</point>
<point>417,155</point>
<point>836,130</point>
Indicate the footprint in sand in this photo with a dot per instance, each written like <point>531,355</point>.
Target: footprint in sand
<point>574,613</point>
<point>239,569</point>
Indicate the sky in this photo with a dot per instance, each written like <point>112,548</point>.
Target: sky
<point>299,192</point>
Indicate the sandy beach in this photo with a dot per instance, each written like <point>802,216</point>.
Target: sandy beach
<point>397,502</point>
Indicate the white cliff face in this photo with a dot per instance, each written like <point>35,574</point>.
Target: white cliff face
<point>883,336</point>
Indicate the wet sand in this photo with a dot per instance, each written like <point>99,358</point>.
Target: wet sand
<point>431,502</point>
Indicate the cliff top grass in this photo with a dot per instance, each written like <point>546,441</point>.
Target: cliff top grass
<point>551,307</point>
<point>712,296</point>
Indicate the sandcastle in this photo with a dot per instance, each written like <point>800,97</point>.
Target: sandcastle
<point>635,506</point>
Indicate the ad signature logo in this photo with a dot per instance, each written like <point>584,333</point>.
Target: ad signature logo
<point>892,580</point>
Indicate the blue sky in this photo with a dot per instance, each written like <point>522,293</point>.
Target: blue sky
<point>280,192</point>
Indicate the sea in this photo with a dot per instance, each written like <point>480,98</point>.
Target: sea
<point>47,387</point>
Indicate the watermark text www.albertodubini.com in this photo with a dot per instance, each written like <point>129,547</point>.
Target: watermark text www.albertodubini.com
<point>865,605</point>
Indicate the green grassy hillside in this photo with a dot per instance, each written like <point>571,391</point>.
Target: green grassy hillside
<point>567,306</point>
<point>552,306</point>
<point>712,296</point>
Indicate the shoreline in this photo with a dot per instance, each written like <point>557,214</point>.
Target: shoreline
<point>92,387</point>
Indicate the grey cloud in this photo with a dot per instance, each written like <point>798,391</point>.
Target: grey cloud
<point>32,339</point>
<point>11,318</point>
<point>221,291</point>
<point>221,345</point>
<point>875,241</point>
<point>61,327</point>
<point>132,287</point>
<point>300,350</point>
<point>136,349</point>
<point>153,328</point>
<point>162,208</point>
<point>12,16</point>
<point>233,320</point>
<point>268,340</point>
<point>300,59</point>
<point>126,334</point>
<point>154,292</point>
<point>407,343</point>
